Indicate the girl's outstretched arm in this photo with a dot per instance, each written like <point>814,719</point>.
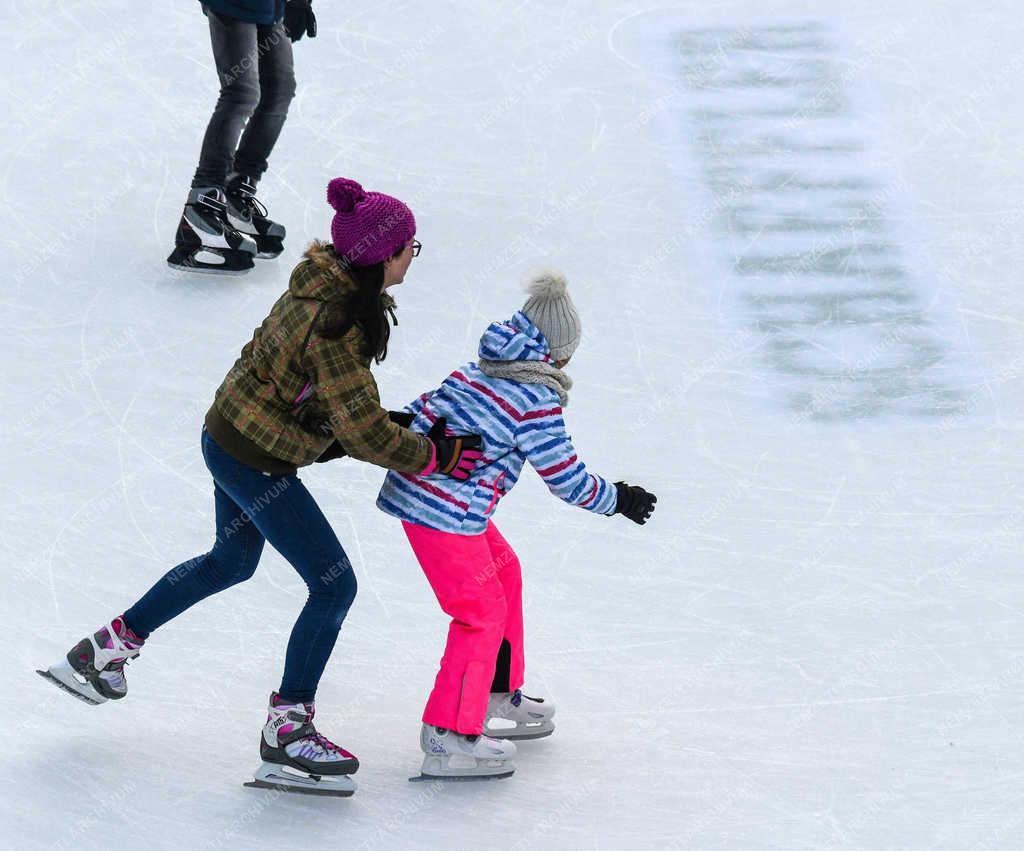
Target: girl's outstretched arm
<point>548,447</point>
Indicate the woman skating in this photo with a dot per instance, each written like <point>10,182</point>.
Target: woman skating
<point>301,385</point>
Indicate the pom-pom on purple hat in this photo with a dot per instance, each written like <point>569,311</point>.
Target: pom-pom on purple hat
<point>368,227</point>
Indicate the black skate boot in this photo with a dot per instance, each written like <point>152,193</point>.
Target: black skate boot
<point>206,241</point>
<point>296,758</point>
<point>93,670</point>
<point>247,215</point>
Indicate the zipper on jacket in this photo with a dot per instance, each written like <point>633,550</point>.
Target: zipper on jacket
<point>496,496</point>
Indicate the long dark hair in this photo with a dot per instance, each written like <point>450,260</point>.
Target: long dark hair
<point>364,308</point>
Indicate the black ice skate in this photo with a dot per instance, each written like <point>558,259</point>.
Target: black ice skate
<point>206,241</point>
<point>296,758</point>
<point>93,670</point>
<point>247,215</point>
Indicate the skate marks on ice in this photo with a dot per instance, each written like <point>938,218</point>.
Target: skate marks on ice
<point>807,236</point>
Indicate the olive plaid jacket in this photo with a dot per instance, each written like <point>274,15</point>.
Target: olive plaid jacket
<point>288,374</point>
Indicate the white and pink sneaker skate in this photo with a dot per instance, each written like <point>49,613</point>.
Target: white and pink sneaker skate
<point>516,716</point>
<point>454,756</point>
<point>93,670</point>
<point>296,758</point>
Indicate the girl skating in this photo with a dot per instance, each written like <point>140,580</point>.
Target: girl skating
<point>302,384</point>
<point>513,396</point>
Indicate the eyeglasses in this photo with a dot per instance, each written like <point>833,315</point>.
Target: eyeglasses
<point>416,246</point>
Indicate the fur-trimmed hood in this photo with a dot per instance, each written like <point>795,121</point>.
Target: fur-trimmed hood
<point>321,275</point>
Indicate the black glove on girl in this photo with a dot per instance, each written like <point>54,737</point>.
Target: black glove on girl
<point>299,19</point>
<point>634,502</point>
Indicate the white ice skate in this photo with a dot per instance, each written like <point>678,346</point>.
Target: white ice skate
<point>296,758</point>
<point>93,670</point>
<point>516,716</point>
<point>453,756</point>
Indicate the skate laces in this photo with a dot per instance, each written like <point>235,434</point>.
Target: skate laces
<point>315,742</point>
<point>255,204</point>
<point>320,741</point>
<point>246,194</point>
<point>517,697</point>
<point>122,640</point>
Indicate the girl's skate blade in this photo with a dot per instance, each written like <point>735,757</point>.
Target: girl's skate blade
<point>280,778</point>
<point>521,732</point>
<point>66,678</point>
<point>451,768</point>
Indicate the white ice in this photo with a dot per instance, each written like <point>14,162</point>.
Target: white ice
<point>816,642</point>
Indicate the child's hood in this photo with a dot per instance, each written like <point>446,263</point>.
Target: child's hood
<point>515,339</point>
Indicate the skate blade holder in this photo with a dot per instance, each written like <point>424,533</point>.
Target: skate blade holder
<point>284,778</point>
<point>463,767</point>
<point>68,679</point>
<point>518,732</point>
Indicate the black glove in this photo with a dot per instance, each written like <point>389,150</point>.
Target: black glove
<point>299,19</point>
<point>455,455</point>
<point>336,450</point>
<point>314,419</point>
<point>634,502</point>
<point>402,418</point>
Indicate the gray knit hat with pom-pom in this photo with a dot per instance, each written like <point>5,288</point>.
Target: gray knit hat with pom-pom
<point>552,311</point>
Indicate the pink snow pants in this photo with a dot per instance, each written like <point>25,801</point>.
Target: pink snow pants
<point>477,581</point>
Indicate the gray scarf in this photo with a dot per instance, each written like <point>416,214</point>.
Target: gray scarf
<point>529,372</point>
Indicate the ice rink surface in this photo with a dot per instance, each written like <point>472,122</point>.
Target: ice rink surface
<point>815,643</point>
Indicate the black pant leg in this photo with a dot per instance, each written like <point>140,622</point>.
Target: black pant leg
<point>236,55</point>
<point>277,88</point>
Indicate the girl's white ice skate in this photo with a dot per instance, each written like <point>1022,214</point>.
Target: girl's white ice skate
<point>296,758</point>
<point>93,670</point>
<point>453,756</point>
<point>516,716</point>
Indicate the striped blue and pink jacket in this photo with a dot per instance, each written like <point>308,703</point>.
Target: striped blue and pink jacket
<point>518,422</point>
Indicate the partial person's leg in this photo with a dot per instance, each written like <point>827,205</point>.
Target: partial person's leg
<point>464,579</point>
<point>93,670</point>
<point>289,518</point>
<point>277,88</point>
<point>233,559</point>
<point>509,669</point>
<point>236,55</point>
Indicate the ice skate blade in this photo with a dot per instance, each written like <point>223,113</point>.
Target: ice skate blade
<point>225,273</point>
<point>463,767</point>
<point>523,732</point>
<point>51,676</point>
<point>279,779</point>
<point>451,777</point>
<point>519,736</point>
<point>330,793</point>
<point>266,255</point>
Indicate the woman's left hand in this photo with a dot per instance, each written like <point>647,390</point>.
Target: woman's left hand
<point>457,454</point>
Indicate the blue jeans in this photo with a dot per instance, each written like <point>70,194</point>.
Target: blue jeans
<point>253,508</point>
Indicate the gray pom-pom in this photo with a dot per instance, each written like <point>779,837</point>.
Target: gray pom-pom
<point>550,283</point>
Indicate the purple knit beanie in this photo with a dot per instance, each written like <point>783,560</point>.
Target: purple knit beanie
<point>368,227</point>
